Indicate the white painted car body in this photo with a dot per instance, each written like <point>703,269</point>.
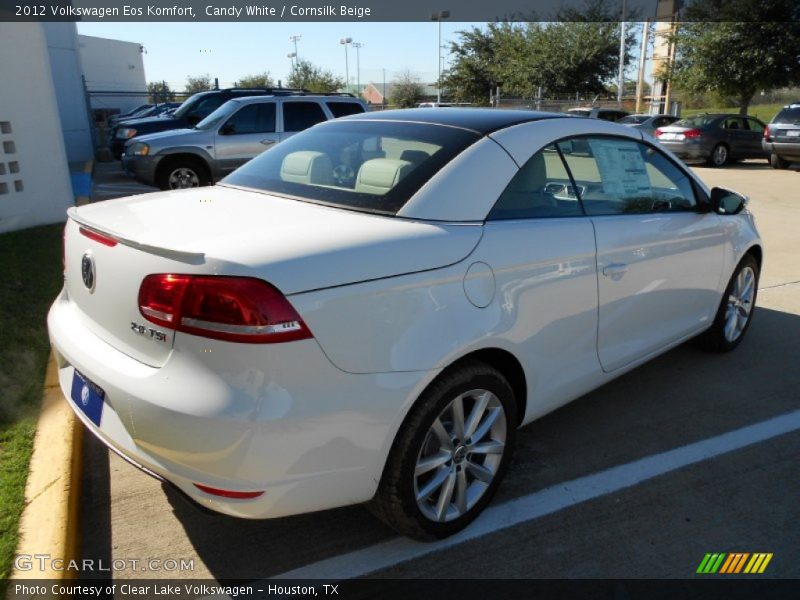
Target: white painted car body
<point>391,301</point>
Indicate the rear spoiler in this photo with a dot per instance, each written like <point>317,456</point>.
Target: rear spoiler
<point>186,256</point>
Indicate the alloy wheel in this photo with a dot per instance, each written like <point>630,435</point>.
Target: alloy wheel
<point>720,155</point>
<point>183,177</point>
<point>740,304</point>
<point>460,455</point>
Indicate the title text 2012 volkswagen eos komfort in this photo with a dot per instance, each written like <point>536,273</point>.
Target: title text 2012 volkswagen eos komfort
<point>369,311</point>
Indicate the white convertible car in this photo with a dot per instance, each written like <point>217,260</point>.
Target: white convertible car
<point>368,311</point>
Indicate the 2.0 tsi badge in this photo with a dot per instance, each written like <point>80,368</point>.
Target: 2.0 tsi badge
<point>87,271</point>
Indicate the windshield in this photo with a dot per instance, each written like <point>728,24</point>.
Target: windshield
<point>789,115</point>
<point>634,119</point>
<point>188,105</point>
<point>218,116</point>
<point>373,166</point>
<point>698,121</point>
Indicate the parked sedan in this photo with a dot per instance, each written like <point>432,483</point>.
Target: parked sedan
<point>648,123</point>
<point>782,137</point>
<point>595,112</point>
<point>715,138</point>
<point>369,310</point>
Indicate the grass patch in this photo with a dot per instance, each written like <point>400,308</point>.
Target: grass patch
<point>765,112</point>
<point>30,269</point>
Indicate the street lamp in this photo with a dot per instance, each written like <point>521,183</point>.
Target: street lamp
<point>344,41</point>
<point>438,17</point>
<point>294,39</point>
<point>358,46</point>
<point>293,57</point>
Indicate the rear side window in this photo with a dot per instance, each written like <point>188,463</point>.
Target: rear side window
<point>541,188</point>
<point>342,109</point>
<point>788,116</point>
<point>253,118</point>
<point>298,116</point>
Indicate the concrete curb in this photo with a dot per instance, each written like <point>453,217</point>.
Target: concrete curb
<point>49,522</point>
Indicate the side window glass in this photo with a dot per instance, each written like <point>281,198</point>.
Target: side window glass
<point>298,116</point>
<point>266,117</point>
<point>732,123</point>
<point>617,176</point>
<point>755,126</point>
<point>342,109</point>
<point>541,188</point>
<point>244,121</point>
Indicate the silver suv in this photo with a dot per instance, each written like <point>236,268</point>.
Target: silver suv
<point>237,131</point>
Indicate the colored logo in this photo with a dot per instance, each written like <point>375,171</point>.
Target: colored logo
<point>734,563</point>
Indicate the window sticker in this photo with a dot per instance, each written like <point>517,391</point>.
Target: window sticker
<point>622,168</point>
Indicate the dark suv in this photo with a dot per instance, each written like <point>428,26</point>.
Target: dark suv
<point>190,113</point>
<point>782,137</point>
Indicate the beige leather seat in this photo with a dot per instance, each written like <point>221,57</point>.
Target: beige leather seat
<point>307,167</point>
<point>379,175</point>
<point>526,189</point>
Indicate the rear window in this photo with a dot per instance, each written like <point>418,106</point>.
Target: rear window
<point>298,116</point>
<point>634,119</point>
<point>342,109</point>
<point>373,166</point>
<point>790,115</point>
<point>695,121</point>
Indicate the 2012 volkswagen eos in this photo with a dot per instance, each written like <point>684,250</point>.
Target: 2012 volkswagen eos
<point>368,311</point>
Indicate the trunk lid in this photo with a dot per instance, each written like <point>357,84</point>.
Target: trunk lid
<point>296,246</point>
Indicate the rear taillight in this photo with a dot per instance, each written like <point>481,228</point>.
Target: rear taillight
<point>692,133</point>
<point>658,133</point>
<point>235,309</point>
<point>767,133</point>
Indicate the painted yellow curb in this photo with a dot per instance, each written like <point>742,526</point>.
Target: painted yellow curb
<point>49,523</point>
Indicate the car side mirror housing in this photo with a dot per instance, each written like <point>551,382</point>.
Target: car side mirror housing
<point>727,202</point>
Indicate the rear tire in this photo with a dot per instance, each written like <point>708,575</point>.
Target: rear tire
<point>182,173</point>
<point>720,156</point>
<point>735,312</point>
<point>776,162</point>
<point>444,469</point>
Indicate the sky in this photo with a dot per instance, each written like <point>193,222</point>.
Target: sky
<point>229,51</point>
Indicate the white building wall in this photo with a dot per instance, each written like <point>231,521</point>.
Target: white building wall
<point>62,46</point>
<point>35,186</point>
<point>112,65</point>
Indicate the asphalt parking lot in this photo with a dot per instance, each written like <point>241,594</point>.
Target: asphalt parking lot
<point>639,479</point>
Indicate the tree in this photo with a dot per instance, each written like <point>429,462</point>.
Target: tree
<point>407,90</point>
<point>306,75</point>
<point>260,80</point>
<point>735,59</point>
<point>159,91</point>
<point>579,53</point>
<point>200,83</point>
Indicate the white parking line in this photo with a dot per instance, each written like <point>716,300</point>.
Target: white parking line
<point>387,554</point>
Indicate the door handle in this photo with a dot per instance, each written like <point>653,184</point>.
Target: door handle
<point>615,271</point>
<point>267,142</point>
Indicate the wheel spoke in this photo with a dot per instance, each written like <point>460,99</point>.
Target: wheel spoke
<point>441,434</point>
<point>445,496</point>
<point>431,462</point>
<point>480,472</point>
<point>475,416</point>
<point>461,491</point>
<point>435,483</point>
<point>730,327</point>
<point>490,447</point>
<point>457,409</point>
<point>484,427</point>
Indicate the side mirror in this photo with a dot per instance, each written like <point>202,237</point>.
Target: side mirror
<point>727,202</point>
<point>227,129</point>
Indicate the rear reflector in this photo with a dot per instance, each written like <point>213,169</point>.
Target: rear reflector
<point>234,309</point>
<point>98,237</point>
<point>227,493</point>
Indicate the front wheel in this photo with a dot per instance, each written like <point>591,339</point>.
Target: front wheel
<point>450,455</point>
<point>182,174</point>
<point>719,156</point>
<point>735,312</point>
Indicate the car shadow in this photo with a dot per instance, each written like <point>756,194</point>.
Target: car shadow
<point>681,397</point>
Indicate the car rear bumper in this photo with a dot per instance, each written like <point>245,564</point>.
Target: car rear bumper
<point>281,419</point>
<point>790,150</point>
<point>687,149</point>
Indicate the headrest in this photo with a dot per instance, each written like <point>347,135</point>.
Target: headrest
<point>379,175</point>
<point>307,167</point>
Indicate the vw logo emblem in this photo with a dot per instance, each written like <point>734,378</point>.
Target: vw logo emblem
<point>87,271</point>
<point>85,395</point>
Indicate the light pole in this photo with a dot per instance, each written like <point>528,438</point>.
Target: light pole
<point>438,17</point>
<point>358,46</point>
<point>621,81</point>
<point>344,41</point>
<point>294,39</point>
<point>292,56</point>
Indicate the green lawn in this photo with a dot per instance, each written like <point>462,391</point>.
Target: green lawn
<point>765,112</point>
<point>30,269</point>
